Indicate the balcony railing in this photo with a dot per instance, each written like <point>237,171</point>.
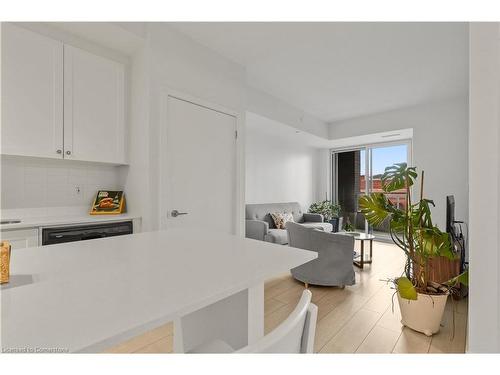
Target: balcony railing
<point>357,218</point>
<point>397,199</point>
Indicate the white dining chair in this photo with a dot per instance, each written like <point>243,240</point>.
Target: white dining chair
<point>294,335</point>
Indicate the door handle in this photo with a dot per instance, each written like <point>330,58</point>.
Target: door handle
<point>176,213</point>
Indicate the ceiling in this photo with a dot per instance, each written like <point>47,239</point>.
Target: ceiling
<point>268,128</point>
<point>342,70</point>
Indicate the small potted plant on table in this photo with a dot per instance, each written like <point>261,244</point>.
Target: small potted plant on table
<point>422,301</point>
<point>330,212</point>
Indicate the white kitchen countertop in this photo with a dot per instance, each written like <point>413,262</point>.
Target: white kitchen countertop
<point>31,222</point>
<point>54,216</point>
<point>89,295</point>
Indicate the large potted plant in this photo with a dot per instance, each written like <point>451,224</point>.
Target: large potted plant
<point>422,301</point>
<point>330,212</point>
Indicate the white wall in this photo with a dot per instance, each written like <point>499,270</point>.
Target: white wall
<point>164,58</point>
<point>484,213</point>
<point>278,169</point>
<point>170,60</point>
<point>137,186</point>
<point>45,183</point>
<point>440,134</point>
<point>322,174</point>
<point>181,64</point>
<point>161,58</point>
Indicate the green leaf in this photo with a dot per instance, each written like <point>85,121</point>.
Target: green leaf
<point>406,289</point>
<point>327,208</point>
<point>398,176</point>
<point>422,213</point>
<point>435,243</point>
<point>463,278</point>
<point>398,221</point>
<point>375,207</point>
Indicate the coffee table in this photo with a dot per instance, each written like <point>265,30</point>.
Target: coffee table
<point>362,237</point>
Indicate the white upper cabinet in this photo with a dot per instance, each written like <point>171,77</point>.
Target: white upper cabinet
<point>59,101</point>
<point>32,94</point>
<point>94,123</point>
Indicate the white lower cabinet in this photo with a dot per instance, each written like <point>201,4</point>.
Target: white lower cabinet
<point>20,238</point>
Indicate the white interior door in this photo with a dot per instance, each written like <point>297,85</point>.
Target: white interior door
<point>199,167</point>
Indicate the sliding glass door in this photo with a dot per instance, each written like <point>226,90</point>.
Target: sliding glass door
<point>358,171</point>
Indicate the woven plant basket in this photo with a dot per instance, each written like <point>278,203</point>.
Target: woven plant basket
<point>4,262</point>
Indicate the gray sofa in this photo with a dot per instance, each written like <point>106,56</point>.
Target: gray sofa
<point>333,266</point>
<point>259,224</point>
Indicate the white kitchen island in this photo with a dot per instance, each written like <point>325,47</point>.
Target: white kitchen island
<point>90,295</point>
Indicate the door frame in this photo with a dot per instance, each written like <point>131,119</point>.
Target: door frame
<point>239,183</point>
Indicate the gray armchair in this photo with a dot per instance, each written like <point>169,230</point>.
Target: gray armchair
<point>333,266</point>
<point>260,225</point>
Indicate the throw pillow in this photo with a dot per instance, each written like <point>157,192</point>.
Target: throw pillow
<point>281,218</point>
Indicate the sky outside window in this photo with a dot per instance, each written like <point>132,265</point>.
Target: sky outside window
<point>383,157</point>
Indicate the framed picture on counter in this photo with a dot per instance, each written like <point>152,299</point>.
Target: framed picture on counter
<point>108,202</point>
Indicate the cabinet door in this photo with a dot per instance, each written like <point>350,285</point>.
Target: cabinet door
<point>20,238</point>
<point>94,121</point>
<point>32,93</point>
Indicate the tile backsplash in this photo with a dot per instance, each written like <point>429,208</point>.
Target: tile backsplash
<point>39,183</point>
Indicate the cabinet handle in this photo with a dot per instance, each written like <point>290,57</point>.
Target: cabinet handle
<point>59,151</point>
<point>68,152</point>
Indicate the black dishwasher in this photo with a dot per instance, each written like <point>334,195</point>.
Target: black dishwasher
<point>85,232</point>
